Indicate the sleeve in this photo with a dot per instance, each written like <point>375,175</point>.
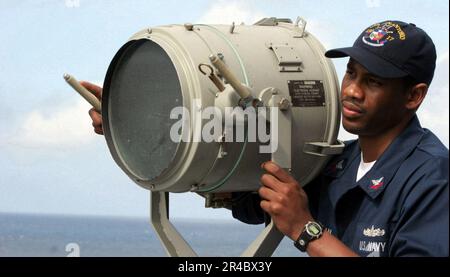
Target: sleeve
<point>422,228</point>
<point>313,190</point>
<point>246,205</point>
<point>246,208</point>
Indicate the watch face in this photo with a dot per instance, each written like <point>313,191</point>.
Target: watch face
<point>314,229</point>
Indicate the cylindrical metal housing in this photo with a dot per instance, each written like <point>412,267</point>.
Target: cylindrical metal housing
<point>156,72</point>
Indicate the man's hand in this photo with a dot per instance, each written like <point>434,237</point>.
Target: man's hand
<point>97,121</point>
<point>284,200</point>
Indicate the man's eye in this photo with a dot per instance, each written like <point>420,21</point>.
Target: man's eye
<point>375,82</point>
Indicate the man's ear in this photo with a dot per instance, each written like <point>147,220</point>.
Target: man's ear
<point>416,94</point>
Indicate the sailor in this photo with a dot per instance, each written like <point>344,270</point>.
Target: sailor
<point>387,194</point>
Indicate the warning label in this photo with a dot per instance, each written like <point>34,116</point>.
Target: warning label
<point>307,93</point>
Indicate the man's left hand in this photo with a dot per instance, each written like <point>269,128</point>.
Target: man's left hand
<point>284,200</point>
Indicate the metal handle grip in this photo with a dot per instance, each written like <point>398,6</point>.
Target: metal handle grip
<point>84,92</point>
<point>243,92</point>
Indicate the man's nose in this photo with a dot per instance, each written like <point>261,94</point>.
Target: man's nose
<point>354,91</point>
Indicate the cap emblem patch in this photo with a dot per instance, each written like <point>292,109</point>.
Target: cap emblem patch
<point>380,34</point>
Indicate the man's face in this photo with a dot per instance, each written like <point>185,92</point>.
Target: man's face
<point>371,105</point>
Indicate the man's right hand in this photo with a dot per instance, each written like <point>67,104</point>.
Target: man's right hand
<point>97,121</point>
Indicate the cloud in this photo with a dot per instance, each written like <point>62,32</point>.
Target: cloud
<point>434,113</point>
<point>226,12</point>
<point>68,126</point>
<point>323,31</point>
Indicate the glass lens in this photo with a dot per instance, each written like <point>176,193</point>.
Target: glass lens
<point>144,89</point>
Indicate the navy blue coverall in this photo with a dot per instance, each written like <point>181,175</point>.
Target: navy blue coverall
<point>399,208</point>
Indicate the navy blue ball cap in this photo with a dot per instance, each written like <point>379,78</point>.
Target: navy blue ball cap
<point>393,49</point>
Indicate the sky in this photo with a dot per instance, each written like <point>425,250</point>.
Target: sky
<point>51,162</point>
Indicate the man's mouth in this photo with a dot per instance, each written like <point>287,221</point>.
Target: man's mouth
<point>351,110</point>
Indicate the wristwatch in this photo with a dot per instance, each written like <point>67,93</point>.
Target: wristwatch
<point>312,231</point>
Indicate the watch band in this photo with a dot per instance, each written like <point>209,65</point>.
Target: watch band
<point>313,230</point>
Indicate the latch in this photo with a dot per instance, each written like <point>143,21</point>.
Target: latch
<point>323,149</point>
<point>272,21</point>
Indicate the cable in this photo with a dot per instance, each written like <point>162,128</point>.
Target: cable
<point>241,63</point>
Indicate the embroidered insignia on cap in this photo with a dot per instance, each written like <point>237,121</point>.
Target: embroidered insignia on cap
<point>379,35</point>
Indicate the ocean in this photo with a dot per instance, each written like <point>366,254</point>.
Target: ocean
<point>23,235</point>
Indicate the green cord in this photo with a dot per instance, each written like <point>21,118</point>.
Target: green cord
<point>224,180</point>
<point>241,63</point>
